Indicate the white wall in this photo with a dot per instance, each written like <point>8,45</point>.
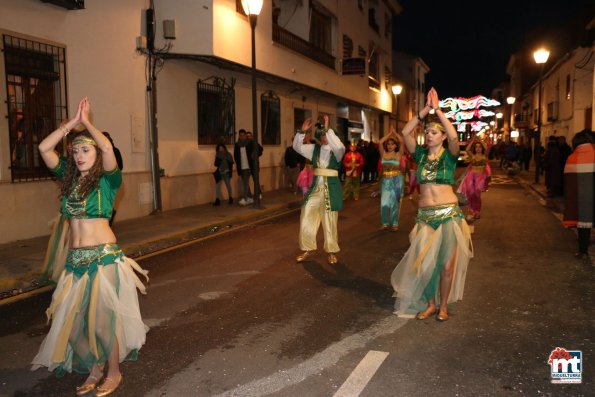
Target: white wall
<point>102,64</point>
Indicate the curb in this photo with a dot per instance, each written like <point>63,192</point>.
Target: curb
<point>549,201</point>
<point>186,237</point>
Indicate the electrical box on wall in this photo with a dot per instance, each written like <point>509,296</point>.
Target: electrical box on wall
<point>169,29</point>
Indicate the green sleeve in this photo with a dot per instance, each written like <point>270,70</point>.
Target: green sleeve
<point>58,171</point>
<point>419,153</point>
<point>113,178</point>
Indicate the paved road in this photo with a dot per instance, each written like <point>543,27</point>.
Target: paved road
<point>236,316</point>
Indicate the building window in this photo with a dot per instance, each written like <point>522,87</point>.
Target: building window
<point>372,17</point>
<point>270,107</point>
<point>321,24</point>
<point>374,68</point>
<point>216,111</point>
<point>567,86</point>
<point>36,93</point>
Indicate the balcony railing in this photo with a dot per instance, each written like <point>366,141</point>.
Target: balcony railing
<point>301,46</point>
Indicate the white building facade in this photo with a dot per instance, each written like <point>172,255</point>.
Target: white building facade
<point>313,58</point>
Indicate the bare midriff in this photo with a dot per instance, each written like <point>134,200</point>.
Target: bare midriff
<point>90,232</point>
<point>432,194</point>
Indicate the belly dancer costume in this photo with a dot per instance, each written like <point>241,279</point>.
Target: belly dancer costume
<point>324,200</point>
<point>440,234</point>
<point>391,191</point>
<point>475,182</point>
<point>95,300</point>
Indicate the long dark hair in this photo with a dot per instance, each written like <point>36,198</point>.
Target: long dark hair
<point>219,145</point>
<point>72,173</point>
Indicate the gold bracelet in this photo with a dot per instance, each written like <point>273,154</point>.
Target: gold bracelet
<point>65,130</point>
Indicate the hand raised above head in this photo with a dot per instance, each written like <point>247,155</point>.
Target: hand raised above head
<point>85,109</point>
<point>306,125</point>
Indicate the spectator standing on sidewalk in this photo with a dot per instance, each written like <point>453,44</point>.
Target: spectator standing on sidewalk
<point>526,154</point>
<point>242,153</point>
<point>435,265</point>
<point>324,199</point>
<point>579,174</point>
<point>552,164</point>
<point>565,151</point>
<point>95,313</point>
<point>294,163</point>
<point>251,147</point>
<point>224,164</point>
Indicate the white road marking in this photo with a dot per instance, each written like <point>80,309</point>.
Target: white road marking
<point>361,375</point>
<point>317,363</point>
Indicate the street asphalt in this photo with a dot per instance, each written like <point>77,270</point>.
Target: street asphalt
<point>235,315</point>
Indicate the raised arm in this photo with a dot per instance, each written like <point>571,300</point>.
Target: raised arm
<point>109,158</point>
<point>48,145</point>
<point>451,133</point>
<point>305,149</point>
<point>410,127</point>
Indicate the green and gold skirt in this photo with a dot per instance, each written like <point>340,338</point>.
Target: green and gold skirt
<point>440,235</point>
<point>95,303</point>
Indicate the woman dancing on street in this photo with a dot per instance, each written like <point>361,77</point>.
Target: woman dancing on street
<point>391,185</point>
<point>94,311</point>
<point>476,178</point>
<point>432,271</point>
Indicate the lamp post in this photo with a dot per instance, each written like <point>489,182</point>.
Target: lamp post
<point>510,100</point>
<point>541,57</point>
<point>252,9</point>
<point>397,89</point>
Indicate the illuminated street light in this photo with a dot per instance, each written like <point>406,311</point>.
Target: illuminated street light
<point>511,100</point>
<point>541,57</point>
<point>397,89</point>
<point>252,9</point>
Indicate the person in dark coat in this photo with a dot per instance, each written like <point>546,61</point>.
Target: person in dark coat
<point>565,151</point>
<point>371,162</point>
<point>552,164</point>
<point>294,163</point>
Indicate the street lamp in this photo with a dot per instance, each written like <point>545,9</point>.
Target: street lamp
<point>252,9</point>
<point>541,57</point>
<point>510,100</point>
<point>397,89</point>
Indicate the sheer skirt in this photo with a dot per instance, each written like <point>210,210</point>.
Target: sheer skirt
<point>94,303</point>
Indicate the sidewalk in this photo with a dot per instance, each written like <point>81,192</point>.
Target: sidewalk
<point>21,261</point>
<point>527,180</point>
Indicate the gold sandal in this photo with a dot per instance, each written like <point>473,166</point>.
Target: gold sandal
<point>104,391</point>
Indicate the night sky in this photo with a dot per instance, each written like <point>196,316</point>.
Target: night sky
<point>467,44</point>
